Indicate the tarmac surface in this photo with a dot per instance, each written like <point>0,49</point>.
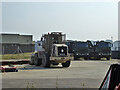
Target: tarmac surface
<point>81,74</point>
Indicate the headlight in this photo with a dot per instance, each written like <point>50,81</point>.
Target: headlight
<point>87,53</point>
<point>99,53</point>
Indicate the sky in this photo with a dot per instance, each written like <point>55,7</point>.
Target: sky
<point>78,20</point>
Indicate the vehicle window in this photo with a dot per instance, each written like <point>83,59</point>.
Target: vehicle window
<point>104,45</point>
<point>82,44</point>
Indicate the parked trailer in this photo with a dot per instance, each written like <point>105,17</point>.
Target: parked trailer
<point>103,50</point>
<point>90,49</point>
<point>79,49</point>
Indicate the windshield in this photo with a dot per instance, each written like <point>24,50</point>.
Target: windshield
<point>82,44</point>
<point>104,45</point>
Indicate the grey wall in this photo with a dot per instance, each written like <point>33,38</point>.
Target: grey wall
<point>10,38</point>
<point>27,48</point>
<point>12,48</point>
<point>10,43</point>
<point>25,39</point>
<point>16,38</point>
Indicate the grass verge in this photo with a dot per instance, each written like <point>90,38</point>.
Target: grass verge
<point>16,56</point>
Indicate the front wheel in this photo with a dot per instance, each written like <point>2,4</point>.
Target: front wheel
<point>45,60</point>
<point>66,64</point>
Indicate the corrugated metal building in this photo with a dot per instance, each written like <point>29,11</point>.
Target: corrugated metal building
<point>14,43</point>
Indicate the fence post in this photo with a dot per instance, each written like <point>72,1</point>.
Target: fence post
<point>3,50</point>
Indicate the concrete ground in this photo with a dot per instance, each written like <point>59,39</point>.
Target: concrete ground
<point>81,74</point>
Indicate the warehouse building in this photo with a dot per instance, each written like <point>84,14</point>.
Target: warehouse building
<point>16,43</point>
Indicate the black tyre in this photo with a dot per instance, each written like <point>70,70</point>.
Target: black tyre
<point>90,58</point>
<point>86,58</point>
<point>16,70</point>
<point>45,60</point>
<point>37,61</point>
<point>75,58</point>
<point>98,58</point>
<point>108,58</point>
<point>2,71</point>
<point>31,61</point>
<point>66,64</point>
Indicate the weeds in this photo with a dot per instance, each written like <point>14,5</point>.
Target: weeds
<point>16,56</point>
<point>83,85</point>
<point>30,87</point>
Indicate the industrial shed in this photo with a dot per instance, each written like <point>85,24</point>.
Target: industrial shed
<point>16,43</point>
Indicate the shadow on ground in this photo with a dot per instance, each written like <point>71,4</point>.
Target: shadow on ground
<point>32,67</point>
<point>102,59</point>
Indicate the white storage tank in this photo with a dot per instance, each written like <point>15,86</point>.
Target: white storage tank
<point>116,50</point>
<point>116,46</point>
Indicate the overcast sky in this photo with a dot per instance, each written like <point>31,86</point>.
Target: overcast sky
<point>79,20</point>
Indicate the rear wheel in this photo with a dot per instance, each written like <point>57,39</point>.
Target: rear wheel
<point>66,64</point>
<point>37,61</point>
<point>98,58</point>
<point>31,61</point>
<point>75,58</point>
<point>2,70</point>
<point>16,70</point>
<point>45,60</point>
<point>86,58</point>
<point>108,58</point>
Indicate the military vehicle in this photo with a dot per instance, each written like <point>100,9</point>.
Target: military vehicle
<point>53,50</point>
<point>103,50</point>
<point>79,49</point>
<point>90,49</point>
<point>71,46</point>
